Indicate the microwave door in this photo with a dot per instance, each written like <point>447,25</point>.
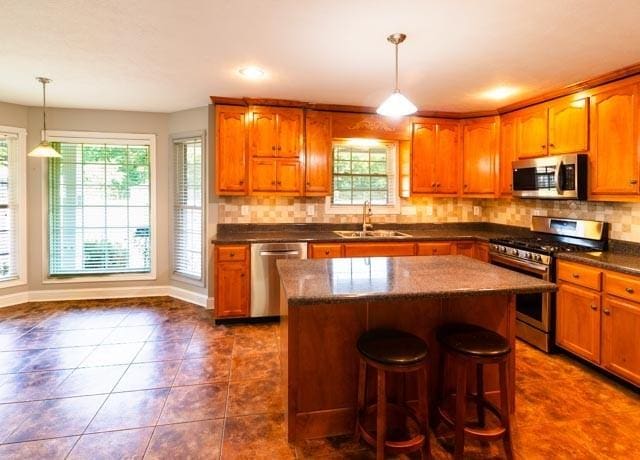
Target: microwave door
<point>558,177</point>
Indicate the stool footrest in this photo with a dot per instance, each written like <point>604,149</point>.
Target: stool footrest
<point>480,432</point>
<point>414,443</point>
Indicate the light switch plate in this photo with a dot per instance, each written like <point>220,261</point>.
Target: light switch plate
<point>477,210</point>
<point>311,210</point>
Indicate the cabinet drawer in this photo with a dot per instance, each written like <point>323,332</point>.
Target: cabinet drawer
<point>579,274</point>
<point>434,249</point>
<point>325,251</point>
<point>232,253</point>
<point>625,286</point>
<point>378,249</point>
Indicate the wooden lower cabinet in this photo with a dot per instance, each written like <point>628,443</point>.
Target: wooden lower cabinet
<point>324,250</point>
<point>464,248</point>
<point>232,284</point>
<point>481,251</point>
<point>433,249</point>
<point>578,321</point>
<point>378,249</point>
<point>620,328</point>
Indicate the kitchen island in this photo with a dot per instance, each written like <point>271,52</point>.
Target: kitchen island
<point>327,303</point>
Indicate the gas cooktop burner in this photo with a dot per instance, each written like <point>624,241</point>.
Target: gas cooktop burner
<point>544,245</point>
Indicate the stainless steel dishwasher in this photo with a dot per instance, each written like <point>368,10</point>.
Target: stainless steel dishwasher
<point>265,282</point>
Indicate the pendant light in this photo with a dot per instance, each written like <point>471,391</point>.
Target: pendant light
<point>396,105</point>
<point>44,149</point>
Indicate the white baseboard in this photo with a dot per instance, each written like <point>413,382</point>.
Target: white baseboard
<point>104,293</point>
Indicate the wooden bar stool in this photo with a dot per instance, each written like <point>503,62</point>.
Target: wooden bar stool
<point>393,351</point>
<point>466,344</point>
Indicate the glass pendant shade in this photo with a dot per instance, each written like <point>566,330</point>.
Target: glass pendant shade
<point>44,150</point>
<point>396,105</point>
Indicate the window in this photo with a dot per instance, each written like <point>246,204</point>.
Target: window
<point>363,171</point>
<point>12,206</point>
<point>187,208</point>
<point>100,205</point>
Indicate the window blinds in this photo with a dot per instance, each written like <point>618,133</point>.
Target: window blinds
<point>99,209</point>
<point>187,209</point>
<point>8,207</point>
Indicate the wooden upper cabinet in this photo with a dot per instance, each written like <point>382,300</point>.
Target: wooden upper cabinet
<point>531,132</point>
<point>288,176</point>
<point>434,157</point>
<point>231,150</point>
<point>423,153</point>
<point>446,161</point>
<point>263,134</point>
<point>276,175</point>
<point>507,153</point>
<point>318,151</point>
<point>478,156</point>
<point>275,132</point>
<point>569,126</point>
<point>614,141</point>
<point>263,175</point>
<point>578,321</point>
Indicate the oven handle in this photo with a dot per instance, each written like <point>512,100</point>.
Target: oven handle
<point>541,269</point>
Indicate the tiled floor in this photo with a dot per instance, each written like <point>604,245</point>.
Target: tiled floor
<point>153,378</point>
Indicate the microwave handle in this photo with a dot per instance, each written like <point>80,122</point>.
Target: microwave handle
<point>557,177</point>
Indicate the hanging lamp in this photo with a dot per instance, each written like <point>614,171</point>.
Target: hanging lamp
<point>44,149</point>
<point>396,105</point>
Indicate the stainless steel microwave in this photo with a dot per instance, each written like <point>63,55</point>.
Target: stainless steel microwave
<point>559,177</point>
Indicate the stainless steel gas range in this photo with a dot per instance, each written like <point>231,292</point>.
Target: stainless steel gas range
<point>534,256</point>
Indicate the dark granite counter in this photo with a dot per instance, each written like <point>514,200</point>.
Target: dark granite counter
<point>609,260</point>
<point>251,233</point>
<point>317,281</point>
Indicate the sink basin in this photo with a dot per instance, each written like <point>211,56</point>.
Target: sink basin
<point>371,234</point>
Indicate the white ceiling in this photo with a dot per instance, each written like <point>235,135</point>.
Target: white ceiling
<point>164,55</point>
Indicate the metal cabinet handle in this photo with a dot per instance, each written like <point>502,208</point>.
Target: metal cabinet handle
<point>606,312</point>
<point>629,290</point>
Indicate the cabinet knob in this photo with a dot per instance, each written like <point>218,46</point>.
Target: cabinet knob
<point>233,254</point>
<point>576,275</point>
<point>279,183</point>
<point>241,275</point>
<point>433,184</point>
<point>273,182</point>
<point>552,145</point>
<point>241,182</point>
<point>543,146</point>
<point>633,181</point>
<point>308,184</point>
<point>326,253</point>
<point>273,147</point>
<point>279,147</point>
<point>606,311</point>
<point>629,290</point>
<point>594,307</point>
<point>437,184</point>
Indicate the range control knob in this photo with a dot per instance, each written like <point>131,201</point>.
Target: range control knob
<point>538,258</point>
<point>514,252</point>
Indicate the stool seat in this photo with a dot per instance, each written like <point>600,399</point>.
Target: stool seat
<point>473,341</point>
<point>392,347</point>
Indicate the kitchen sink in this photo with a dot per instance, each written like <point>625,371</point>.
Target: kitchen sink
<point>371,234</point>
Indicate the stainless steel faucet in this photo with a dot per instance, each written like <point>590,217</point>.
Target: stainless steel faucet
<point>366,217</point>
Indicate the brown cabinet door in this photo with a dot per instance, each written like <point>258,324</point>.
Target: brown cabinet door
<point>569,126</point>
<point>289,143</point>
<point>531,132</point>
<point>378,249</point>
<point>614,142</point>
<point>578,321</point>
<point>288,177</point>
<point>263,134</point>
<point>464,248</point>
<point>446,160</point>
<point>324,250</point>
<point>481,251</point>
<point>231,281</point>
<point>478,162</point>
<point>507,154</point>
<point>318,153</point>
<point>433,249</point>
<point>263,175</point>
<point>620,349</point>
<point>423,153</point>
<point>231,150</point>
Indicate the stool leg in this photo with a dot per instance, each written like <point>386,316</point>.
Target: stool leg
<point>423,407</point>
<point>504,409</point>
<point>461,397</point>
<point>440,390</point>
<point>480,394</point>
<point>362,396</point>
<point>381,419</point>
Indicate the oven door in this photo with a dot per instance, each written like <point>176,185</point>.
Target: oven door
<point>533,309</point>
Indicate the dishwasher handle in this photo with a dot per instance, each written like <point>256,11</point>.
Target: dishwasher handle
<point>279,253</point>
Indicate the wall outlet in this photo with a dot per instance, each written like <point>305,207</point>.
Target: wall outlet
<point>477,210</point>
<point>311,210</point>
<point>428,210</point>
<point>244,210</point>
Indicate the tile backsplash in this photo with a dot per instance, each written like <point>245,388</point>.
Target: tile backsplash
<point>624,218</point>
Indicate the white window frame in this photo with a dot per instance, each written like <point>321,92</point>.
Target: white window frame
<point>173,139</point>
<point>393,172</point>
<point>21,237</point>
<point>104,138</point>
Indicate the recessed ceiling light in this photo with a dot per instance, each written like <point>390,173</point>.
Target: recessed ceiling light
<point>500,92</point>
<point>251,72</point>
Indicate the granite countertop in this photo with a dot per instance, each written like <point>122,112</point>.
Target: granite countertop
<point>308,282</point>
<point>623,262</point>
<point>243,234</point>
